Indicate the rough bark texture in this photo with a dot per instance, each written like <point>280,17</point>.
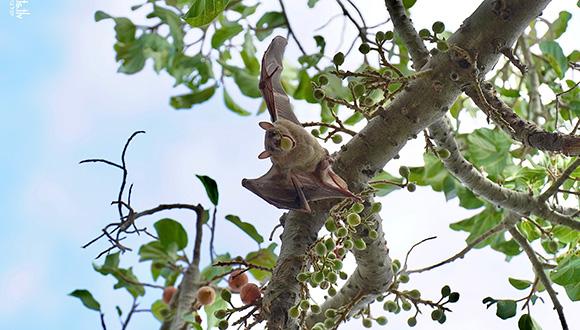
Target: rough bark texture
<point>520,129</point>
<point>494,25</point>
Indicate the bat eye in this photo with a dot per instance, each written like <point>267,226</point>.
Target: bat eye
<point>286,143</point>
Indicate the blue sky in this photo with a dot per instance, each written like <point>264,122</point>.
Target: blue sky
<point>62,101</point>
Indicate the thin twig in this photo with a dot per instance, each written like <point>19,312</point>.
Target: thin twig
<point>494,230</point>
<point>414,246</point>
<point>560,181</point>
<point>103,324</point>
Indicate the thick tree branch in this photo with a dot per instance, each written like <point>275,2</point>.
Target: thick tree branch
<point>520,129</point>
<point>519,202</point>
<point>423,101</point>
<point>404,28</point>
<point>539,270</point>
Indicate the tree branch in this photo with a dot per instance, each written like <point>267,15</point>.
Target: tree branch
<point>183,301</point>
<point>539,270</point>
<point>519,202</point>
<point>423,101</point>
<point>405,29</point>
<point>520,129</point>
<point>560,181</point>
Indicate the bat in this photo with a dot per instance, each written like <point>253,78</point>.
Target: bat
<point>301,168</point>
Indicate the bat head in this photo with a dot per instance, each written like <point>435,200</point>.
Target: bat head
<point>278,140</point>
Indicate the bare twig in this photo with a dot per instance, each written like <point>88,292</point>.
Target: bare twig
<point>414,246</point>
<point>492,231</point>
<point>103,324</point>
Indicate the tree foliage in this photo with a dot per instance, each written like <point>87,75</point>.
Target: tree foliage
<point>211,45</point>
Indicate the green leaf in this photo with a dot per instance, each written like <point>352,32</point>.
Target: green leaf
<point>125,29</point>
<point>210,188</point>
<point>555,56</point>
<point>101,15</point>
<point>489,149</point>
<point>248,55</point>
<point>210,272</point>
<point>225,33</point>
<point>158,253</point>
<point>529,230</point>
<point>125,277</point>
<point>87,299</point>
<point>186,101</point>
<point>526,322</point>
<point>171,232</point>
<point>312,3</point>
<point>567,274</point>
<point>263,257</point>
<point>304,89</point>
<point>384,189</point>
<point>230,104</point>
<point>111,263</point>
<point>219,303</point>
<point>173,21</point>
<point>355,118</point>
<point>268,22</point>
<point>509,92</point>
<point>506,309</point>
<point>558,27</point>
<point>519,284</point>
<point>203,12</point>
<point>565,234</point>
<point>479,224</point>
<point>574,56</point>
<point>156,48</point>
<point>247,83</point>
<point>160,310</point>
<point>409,3</point>
<point>247,228</point>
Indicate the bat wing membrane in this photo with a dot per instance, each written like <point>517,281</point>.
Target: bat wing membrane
<point>277,101</point>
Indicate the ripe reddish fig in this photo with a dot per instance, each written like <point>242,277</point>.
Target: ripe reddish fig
<point>237,280</point>
<point>168,293</point>
<point>205,295</point>
<point>250,293</point>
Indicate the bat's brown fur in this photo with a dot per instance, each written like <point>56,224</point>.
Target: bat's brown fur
<point>300,169</point>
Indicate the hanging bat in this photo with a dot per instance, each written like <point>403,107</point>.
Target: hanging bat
<point>300,170</point>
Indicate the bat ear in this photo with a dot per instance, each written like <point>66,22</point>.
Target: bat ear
<point>266,125</point>
<point>264,154</point>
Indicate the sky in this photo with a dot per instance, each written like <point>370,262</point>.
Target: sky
<point>62,101</point>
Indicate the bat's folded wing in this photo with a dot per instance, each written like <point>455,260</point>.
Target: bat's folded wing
<point>275,96</point>
<point>294,191</point>
<point>278,189</point>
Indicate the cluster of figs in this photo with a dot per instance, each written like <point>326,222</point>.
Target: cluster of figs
<point>237,282</point>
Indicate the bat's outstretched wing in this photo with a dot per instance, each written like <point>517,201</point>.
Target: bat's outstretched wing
<point>274,95</point>
<point>293,191</point>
